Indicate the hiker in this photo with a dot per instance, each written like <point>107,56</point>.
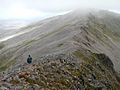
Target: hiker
<point>29,59</point>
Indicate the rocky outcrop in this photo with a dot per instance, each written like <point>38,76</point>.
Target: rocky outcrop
<point>77,51</point>
<point>64,71</point>
<point>105,60</point>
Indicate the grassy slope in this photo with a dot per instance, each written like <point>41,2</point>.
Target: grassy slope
<point>95,31</point>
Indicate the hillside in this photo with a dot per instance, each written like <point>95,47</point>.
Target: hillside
<point>74,51</point>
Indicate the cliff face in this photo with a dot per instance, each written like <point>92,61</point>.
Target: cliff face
<point>79,50</point>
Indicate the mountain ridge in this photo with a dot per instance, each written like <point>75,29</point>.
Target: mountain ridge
<point>91,37</point>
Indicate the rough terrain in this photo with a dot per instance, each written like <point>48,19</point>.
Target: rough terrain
<point>76,51</point>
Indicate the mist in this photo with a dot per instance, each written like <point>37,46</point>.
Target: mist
<point>31,9</point>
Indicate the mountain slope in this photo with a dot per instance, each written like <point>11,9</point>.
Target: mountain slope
<point>98,28</point>
<point>91,36</point>
<point>76,71</point>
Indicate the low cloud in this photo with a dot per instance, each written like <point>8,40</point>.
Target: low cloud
<point>44,8</point>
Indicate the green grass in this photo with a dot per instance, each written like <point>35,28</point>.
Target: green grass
<point>59,45</point>
<point>6,65</point>
<point>2,45</point>
<point>112,31</point>
<point>84,57</point>
<point>28,42</point>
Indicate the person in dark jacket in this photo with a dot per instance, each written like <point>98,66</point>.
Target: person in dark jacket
<point>29,59</point>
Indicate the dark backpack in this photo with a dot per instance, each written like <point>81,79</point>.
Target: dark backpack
<point>29,60</point>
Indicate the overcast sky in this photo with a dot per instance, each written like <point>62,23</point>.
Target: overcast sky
<point>26,9</point>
